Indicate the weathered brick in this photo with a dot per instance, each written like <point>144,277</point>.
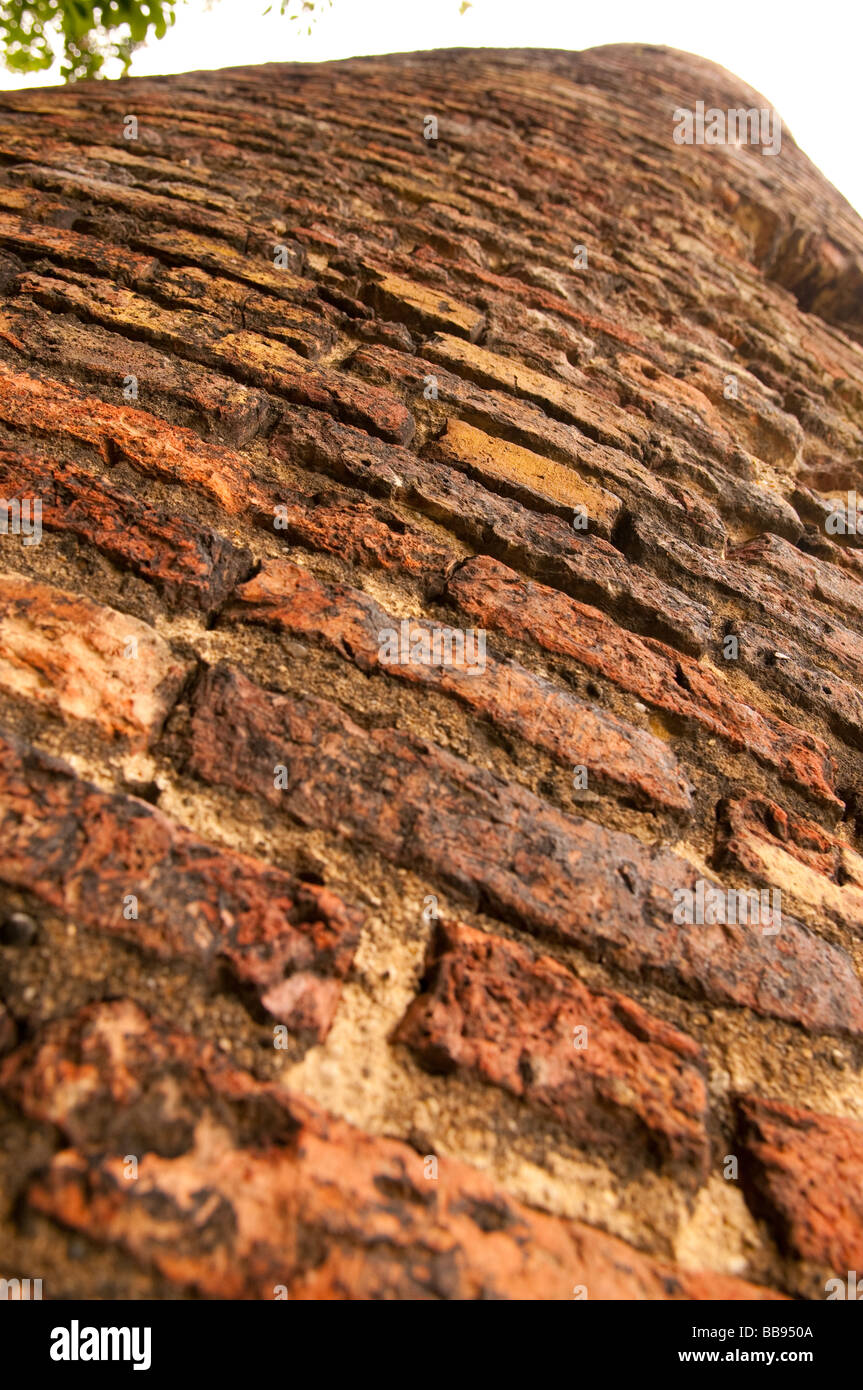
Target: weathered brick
<point>294,1196</point>
<point>251,356</point>
<point>545,546</point>
<point>422,306</point>
<point>360,531</point>
<point>772,845</point>
<point>225,410</point>
<point>85,661</point>
<point>524,423</point>
<point>599,420</point>
<point>492,1009</point>
<point>189,563</point>
<point>87,253</point>
<point>8,1031</point>
<point>555,384</point>
<point>41,405</point>
<point>85,852</point>
<point>761,596</point>
<point>519,473</point>
<point>139,202</point>
<point>818,579</point>
<point>695,407</point>
<point>488,591</point>
<point>618,756</point>
<point>173,245</point>
<point>779,663</point>
<point>804,1172</point>
<point>305,330</point>
<point>508,851</point>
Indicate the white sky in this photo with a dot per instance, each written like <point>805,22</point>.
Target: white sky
<point>805,58</point>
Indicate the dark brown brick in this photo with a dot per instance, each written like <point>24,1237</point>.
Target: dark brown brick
<point>775,661</point>
<point>821,581</point>
<point>87,253</point>
<point>754,590</point>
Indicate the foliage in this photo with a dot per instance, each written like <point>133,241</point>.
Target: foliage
<point>87,33</point>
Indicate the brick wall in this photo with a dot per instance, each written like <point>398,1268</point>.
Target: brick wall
<point>422,616</point>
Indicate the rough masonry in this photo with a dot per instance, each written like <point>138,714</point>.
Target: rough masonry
<point>419,574</point>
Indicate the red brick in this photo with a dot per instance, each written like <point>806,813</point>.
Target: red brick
<point>543,545</point>
<point>492,1009</point>
<point>74,656</point>
<point>360,531</point>
<point>772,845</point>
<point>84,851</point>
<point>618,756</point>
<point>43,406</point>
<point>495,595</point>
<point>805,1173</point>
<point>187,562</point>
<point>294,1197</point>
<point>508,851</point>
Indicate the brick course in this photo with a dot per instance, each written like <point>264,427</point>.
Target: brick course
<point>313,931</point>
